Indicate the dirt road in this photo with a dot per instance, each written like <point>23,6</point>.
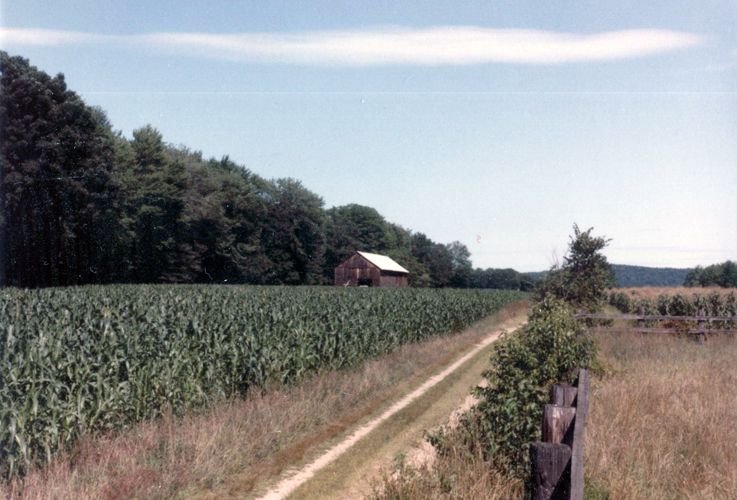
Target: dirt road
<point>346,469</point>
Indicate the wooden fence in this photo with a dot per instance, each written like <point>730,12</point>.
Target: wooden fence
<point>557,460</point>
<point>699,326</point>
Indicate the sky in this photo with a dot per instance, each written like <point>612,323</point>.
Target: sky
<point>499,124</point>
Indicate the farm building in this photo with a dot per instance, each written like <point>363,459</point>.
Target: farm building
<point>370,269</point>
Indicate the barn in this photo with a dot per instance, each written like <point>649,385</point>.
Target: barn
<point>370,269</point>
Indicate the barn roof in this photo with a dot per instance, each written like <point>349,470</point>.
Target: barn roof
<point>383,262</point>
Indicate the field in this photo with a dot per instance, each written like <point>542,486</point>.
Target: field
<point>653,292</point>
<point>662,419</point>
<point>661,423</point>
<point>83,360</point>
<point>677,302</point>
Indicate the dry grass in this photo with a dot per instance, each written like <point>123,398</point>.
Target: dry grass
<point>253,439</point>
<point>652,292</point>
<point>662,423</point>
<point>662,426</point>
<point>452,476</point>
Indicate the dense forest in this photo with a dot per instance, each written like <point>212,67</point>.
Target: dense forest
<point>724,275</point>
<point>81,204</point>
<point>626,276</point>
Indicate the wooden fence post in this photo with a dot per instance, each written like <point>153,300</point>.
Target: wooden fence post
<point>579,433</point>
<point>700,323</point>
<point>557,422</point>
<point>562,394</point>
<point>557,462</point>
<point>550,463</point>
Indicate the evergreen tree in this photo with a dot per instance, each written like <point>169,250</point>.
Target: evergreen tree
<point>154,204</point>
<point>58,198</point>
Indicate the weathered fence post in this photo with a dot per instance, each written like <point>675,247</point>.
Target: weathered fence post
<point>579,433</point>
<point>700,323</point>
<point>557,422</point>
<point>550,465</point>
<point>562,394</point>
<point>557,461</point>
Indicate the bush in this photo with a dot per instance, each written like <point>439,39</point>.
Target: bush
<point>507,418</point>
<point>621,301</point>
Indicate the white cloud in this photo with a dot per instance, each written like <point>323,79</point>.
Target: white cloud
<point>444,45</point>
<point>23,36</point>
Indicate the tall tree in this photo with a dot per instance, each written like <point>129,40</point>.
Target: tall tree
<point>293,238</point>
<point>154,199</point>
<point>236,253</point>
<point>435,257</point>
<point>401,251</point>
<point>58,198</point>
<point>460,258</point>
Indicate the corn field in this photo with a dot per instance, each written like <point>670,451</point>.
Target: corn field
<point>98,358</point>
<point>712,304</point>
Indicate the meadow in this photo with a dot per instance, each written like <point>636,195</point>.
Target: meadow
<point>662,418</point>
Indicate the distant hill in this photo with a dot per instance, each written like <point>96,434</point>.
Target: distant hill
<point>627,276</point>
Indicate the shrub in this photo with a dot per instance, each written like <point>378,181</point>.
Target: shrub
<point>585,275</point>
<point>523,366</point>
<point>621,301</point>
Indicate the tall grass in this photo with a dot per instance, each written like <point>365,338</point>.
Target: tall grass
<point>456,474</point>
<point>662,422</point>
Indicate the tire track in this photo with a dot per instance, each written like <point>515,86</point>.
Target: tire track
<point>289,484</point>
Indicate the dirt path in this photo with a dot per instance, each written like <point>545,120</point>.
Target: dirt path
<point>336,474</point>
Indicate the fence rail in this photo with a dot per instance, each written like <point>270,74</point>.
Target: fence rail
<point>645,321</point>
<point>690,331</point>
<point>653,317</point>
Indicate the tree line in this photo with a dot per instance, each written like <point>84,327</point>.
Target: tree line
<point>82,204</point>
<point>724,275</point>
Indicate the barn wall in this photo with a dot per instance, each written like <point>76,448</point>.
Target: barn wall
<point>356,268</point>
<point>397,281</point>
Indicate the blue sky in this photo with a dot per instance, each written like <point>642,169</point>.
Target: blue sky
<point>498,124</point>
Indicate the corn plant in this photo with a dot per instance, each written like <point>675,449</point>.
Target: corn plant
<point>97,358</point>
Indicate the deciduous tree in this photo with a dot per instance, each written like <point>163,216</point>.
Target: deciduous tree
<point>585,275</point>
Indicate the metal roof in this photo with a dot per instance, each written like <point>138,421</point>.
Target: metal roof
<point>383,262</point>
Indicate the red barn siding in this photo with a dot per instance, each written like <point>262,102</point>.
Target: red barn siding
<point>356,271</point>
<point>393,280</point>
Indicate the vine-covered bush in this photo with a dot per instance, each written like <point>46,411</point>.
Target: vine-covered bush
<point>507,418</point>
